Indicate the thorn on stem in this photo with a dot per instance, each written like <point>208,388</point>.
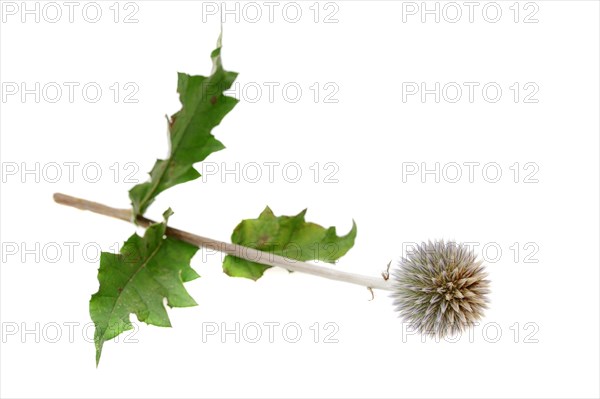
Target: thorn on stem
<point>386,273</point>
<point>170,122</point>
<point>372,293</point>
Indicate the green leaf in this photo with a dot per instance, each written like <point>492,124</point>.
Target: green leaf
<point>289,236</point>
<point>203,107</point>
<point>137,280</point>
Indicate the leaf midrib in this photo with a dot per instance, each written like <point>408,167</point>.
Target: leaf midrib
<point>120,295</point>
<point>174,149</point>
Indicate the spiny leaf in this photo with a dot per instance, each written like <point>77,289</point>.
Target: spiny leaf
<point>203,107</point>
<point>137,280</point>
<point>289,236</point>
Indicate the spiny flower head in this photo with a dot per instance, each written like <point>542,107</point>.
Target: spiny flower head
<point>440,288</point>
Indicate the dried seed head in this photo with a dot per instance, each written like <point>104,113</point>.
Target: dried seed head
<point>440,288</point>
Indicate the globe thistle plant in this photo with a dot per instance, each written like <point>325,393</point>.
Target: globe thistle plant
<point>440,288</point>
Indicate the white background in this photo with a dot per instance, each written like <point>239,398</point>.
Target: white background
<point>370,134</point>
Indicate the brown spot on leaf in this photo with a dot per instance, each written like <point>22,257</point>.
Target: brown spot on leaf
<point>213,100</point>
<point>263,240</point>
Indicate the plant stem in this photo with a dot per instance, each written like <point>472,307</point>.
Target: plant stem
<point>239,251</point>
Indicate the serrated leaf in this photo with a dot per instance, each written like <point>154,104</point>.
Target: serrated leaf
<point>289,236</point>
<point>203,107</point>
<point>147,270</point>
